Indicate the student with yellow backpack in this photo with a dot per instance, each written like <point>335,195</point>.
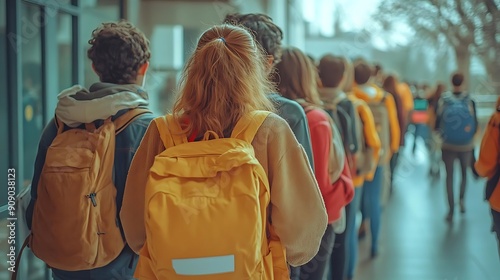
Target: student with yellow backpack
<point>366,160</point>
<point>219,189</point>
<point>83,159</point>
<point>384,112</point>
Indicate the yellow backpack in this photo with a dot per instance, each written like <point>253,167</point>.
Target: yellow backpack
<point>75,225</point>
<point>206,209</point>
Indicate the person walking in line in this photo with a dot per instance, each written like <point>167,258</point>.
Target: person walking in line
<point>384,112</point>
<point>297,81</point>
<point>83,160</point>
<point>245,188</point>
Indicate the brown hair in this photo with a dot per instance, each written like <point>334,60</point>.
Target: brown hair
<point>118,50</point>
<point>331,70</point>
<point>296,76</point>
<point>362,73</point>
<point>224,79</point>
<point>390,85</point>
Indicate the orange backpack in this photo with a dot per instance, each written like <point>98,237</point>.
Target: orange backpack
<point>75,224</point>
<point>206,209</point>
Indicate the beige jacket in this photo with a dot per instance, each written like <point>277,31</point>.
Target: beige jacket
<point>297,210</point>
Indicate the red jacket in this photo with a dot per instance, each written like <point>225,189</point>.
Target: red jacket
<point>338,191</point>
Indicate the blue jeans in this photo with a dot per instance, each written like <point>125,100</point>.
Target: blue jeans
<point>371,204</point>
<point>352,239</point>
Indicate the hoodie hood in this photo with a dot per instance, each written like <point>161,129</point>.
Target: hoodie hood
<point>77,105</point>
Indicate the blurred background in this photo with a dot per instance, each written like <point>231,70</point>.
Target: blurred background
<point>43,46</point>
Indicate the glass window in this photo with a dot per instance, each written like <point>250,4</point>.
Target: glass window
<point>32,110</point>
<point>4,138</point>
<point>31,56</point>
<point>64,45</point>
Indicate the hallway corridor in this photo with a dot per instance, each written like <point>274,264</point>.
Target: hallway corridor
<point>417,243</point>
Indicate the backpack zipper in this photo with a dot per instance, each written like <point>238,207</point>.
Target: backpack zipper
<point>92,198</point>
<point>94,203</point>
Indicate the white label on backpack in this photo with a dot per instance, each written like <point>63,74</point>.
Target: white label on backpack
<point>204,266</point>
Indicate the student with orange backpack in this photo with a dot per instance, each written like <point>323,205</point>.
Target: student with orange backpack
<point>384,112</point>
<point>297,81</point>
<point>83,160</point>
<point>366,159</point>
<point>219,189</point>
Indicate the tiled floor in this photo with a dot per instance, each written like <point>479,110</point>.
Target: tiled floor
<point>416,242</point>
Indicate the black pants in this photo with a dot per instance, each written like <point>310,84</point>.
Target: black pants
<point>496,226</point>
<point>449,158</point>
<point>317,267</point>
<point>340,252</point>
<point>122,268</point>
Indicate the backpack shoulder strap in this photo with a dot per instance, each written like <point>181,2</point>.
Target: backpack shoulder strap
<point>59,125</point>
<point>131,115</point>
<point>170,131</point>
<point>248,125</point>
<point>120,123</point>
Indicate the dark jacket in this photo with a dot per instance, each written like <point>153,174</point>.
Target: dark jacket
<point>293,113</point>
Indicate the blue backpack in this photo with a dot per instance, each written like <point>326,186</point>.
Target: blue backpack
<point>457,121</point>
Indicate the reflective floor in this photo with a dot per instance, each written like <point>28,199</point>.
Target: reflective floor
<point>418,244</point>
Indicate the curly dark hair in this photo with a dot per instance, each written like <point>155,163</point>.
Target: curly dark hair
<point>117,51</point>
<point>265,32</point>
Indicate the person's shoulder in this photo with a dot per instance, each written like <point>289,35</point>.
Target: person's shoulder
<point>272,126</point>
<point>289,110</point>
<point>285,103</point>
<point>141,122</point>
<point>49,133</point>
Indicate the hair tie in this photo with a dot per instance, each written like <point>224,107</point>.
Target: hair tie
<point>222,39</point>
